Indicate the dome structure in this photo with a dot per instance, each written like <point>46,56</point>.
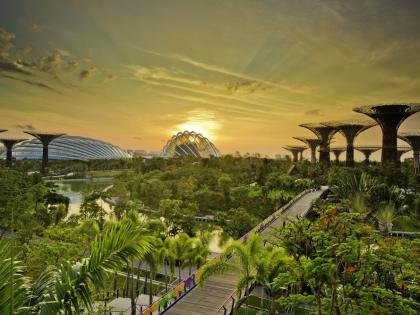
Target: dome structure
<point>189,143</point>
<point>69,148</point>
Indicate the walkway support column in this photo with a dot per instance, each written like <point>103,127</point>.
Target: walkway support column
<point>389,117</point>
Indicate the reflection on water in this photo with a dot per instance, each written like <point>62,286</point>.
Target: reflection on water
<point>75,189</point>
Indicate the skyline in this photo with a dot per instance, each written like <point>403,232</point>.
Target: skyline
<point>245,74</point>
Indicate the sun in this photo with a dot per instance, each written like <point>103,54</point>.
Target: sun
<point>200,121</point>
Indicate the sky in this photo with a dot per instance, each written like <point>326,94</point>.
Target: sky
<point>244,73</point>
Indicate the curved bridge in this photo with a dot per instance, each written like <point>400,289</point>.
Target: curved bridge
<point>218,293</point>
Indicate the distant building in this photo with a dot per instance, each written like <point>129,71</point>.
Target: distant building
<point>69,148</point>
<point>189,143</point>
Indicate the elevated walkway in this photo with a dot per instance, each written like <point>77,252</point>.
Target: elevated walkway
<point>216,295</point>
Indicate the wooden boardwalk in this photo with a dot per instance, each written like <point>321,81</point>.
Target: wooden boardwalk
<point>217,290</point>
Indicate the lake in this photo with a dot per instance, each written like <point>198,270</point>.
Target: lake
<point>75,189</point>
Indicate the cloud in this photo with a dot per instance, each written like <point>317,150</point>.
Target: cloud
<point>87,73</point>
<point>5,35</point>
<point>52,62</point>
<point>5,42</point>
<point>33,83</point>
<point>109,78</point>
<point>35,28</point>
<point>14,67</point>
<point>63,52</point>
<point>314,112</point>
<point>138,138</point>
<point>26,127</point>
<point>228,72</point>
<point>25,50</point>
<point>71,65</point>
<point>245,86</point>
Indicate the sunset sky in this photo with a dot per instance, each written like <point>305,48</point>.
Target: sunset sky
<point>244,73</point>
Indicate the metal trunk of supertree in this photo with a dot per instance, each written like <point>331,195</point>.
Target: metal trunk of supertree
<point>389,117</point>
<point>9,143</point>
<point>45,139</point>
<point>296,151</point>
<point>312,144</point>
<point>367,152</point>
<point>413,139</point>
<point>324,132</point>
<point>350,130</point>
<point>400,152</point>
<point>337,152</point>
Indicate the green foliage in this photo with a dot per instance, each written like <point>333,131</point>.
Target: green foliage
<point>181,189</point>
<point>345,267</point>
<point>69,287</point>
<point>32,203</point>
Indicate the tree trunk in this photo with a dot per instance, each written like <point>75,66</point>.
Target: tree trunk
<point>145,283</point>
<point>166,276</point>
<point>151,288</point>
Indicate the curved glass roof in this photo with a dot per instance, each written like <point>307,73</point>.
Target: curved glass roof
<point>69,148</point>
<point>189,143</point>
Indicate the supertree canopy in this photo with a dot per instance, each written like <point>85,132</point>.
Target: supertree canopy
<point>8,144</point>
<point>367,151</point>
<point>45,138</point>
<point>337,152</point>
<point>413,139</point>
<point>189,143</point>
<point>312,143</point>
<point>295,150</point>
<point>324,132</point>
<point>389,117</point>
<point>350,130</point>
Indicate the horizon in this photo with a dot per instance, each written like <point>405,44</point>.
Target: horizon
<point>244,75</point>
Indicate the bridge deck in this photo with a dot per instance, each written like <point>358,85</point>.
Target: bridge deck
<point>216,290</point>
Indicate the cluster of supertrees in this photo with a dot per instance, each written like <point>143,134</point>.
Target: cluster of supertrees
<point>388,116</point>
<point>44,137</point>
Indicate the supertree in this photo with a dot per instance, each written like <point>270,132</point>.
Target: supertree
<point>296,150</point>
<point>350,130</point>
<point>389,117</point>
<point>9,143</point>
<point>337,152</point>
<point>367,152</point>
<point>312,143</point>
<point>400,152</point>
<point>324,132</point>
<point>413,139</point>
<point>45,138</point>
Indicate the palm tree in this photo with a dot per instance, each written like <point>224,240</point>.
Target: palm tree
<point>152,261</point>
<point>167,258</point>
<point>198,254</point>
<point>238,257</point>
<point>181,247</point>
<point>69,288</point>
<point>268,265</point>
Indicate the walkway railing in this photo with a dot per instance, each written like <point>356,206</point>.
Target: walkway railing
<point>229,303</point>
<point>161,305</point>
